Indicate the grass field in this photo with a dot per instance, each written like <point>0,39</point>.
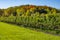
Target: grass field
<point>14,32</point>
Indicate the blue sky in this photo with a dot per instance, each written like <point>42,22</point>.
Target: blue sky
<point>9,3</point>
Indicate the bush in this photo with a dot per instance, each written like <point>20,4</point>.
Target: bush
<point>46,22</point>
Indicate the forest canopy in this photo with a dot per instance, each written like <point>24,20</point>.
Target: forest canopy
<point>27,10</point>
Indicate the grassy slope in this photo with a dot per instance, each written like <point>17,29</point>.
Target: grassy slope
<point>13,32</point>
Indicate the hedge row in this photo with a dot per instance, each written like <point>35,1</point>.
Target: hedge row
<point>47,22</point>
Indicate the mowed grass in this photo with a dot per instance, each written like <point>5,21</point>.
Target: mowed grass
<point>14,32</point>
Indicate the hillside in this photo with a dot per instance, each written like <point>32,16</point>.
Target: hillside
<point>14,32</point>
<point>43,18</point>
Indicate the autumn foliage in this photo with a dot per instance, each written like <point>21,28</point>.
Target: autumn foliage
<point>39,17</point>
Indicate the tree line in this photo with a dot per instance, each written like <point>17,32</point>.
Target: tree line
<point>39,17</point>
